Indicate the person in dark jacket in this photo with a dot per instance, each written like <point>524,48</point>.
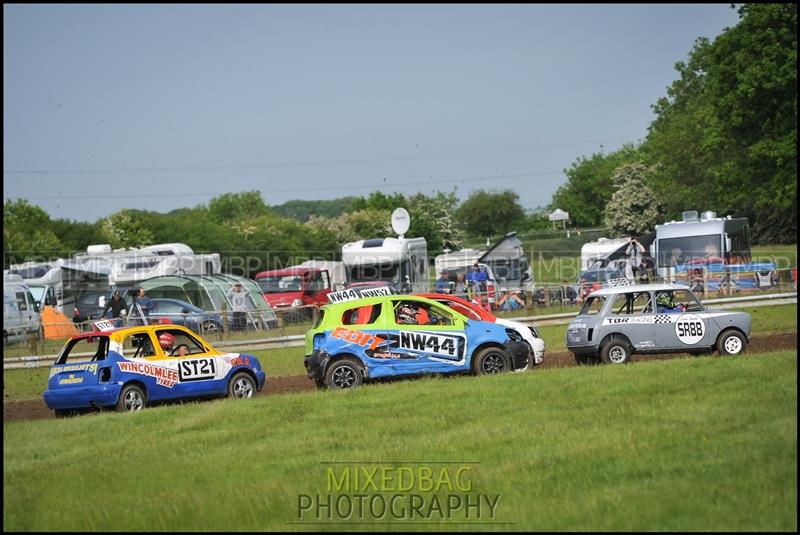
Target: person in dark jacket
<point>115,305</point>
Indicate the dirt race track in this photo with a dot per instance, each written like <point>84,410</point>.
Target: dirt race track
<point>291,384</point>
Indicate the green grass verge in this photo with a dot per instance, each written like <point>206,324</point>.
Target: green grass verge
<point>687,444</point>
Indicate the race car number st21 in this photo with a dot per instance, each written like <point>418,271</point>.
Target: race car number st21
<point>197,369</point>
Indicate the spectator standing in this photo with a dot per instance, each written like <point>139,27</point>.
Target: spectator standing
<point>443,283</point>
<point>116,306</point>
<point>144,304</point>
<point>238,306</point>
<point>634,252</point>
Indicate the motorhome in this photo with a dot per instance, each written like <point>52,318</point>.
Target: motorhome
<point>401,262</point>
<point>128,267</point>
<point>59,283</point>
<point>713,249</point>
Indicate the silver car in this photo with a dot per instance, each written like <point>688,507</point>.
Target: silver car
<point>616,322</point>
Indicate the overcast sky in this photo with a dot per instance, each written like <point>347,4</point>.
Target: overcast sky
<point>165,106</point>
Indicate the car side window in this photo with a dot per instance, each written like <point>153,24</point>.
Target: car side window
<point>362,315</point>
<point>138,346</point>
<point>642,304</point>
<point>686,298</point>
<point>179,339</point>
<point>417,313</point>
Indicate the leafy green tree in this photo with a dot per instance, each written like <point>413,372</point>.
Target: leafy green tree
<point>237,206</point>
<point>589,186</point>
<point>127,228</point>
<point>378,200</point>
<point>433,217</point>
<point>27,235</point>
<point>303,210</point>
<point>633,208</point>
<point>485,214</point>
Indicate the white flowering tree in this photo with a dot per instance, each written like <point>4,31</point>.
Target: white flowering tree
<point>633,208</point>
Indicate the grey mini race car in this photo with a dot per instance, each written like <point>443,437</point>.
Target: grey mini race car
<point>618,321</point>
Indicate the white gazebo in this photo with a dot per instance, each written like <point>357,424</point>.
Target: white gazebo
<point>559,215</point>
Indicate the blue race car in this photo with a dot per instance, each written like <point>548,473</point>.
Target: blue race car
<point>130,368</point>
<point>398,335</point>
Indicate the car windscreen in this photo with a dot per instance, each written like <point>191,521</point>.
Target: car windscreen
<point>280,284</point>
<point>593,305</point>
<point>374,272</point>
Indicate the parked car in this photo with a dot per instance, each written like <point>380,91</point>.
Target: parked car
<point>398,335</point>
<point>527,333</point>
<point>595,278</point>
<point>130,368</point>
<point>619,321</point>
<point>182,313</point>
<point>89,306</point>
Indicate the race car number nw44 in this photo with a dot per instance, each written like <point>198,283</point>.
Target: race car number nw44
<point>130,368</point>
<point>615,323</point>
<point>400,335</point>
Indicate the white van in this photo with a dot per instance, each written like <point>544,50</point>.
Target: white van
<point>20,312</point>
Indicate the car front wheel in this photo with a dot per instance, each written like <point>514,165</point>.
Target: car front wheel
<point>131,399</point>
<point>731,343</point>
<point>616,351</point>
<point>490,360</point>
<point>241,386</point>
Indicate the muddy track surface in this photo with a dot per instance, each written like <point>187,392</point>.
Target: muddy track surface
<point>291,384</point>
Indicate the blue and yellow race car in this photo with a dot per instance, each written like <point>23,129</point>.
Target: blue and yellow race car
<point>130,368</point>
<point>397,335</point>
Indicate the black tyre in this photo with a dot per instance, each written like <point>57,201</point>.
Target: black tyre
<point>343,374</point>
<point>490,360</point>
<point>616,351</point>
<point>131,399</point>
<point>211,327</point>
<point>587,360</point>
<point>63,413</point>
<point>241,386</point>
<point>731,342</point>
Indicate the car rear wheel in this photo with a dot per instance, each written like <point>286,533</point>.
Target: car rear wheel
<point>241,386</point>
<point>342,375</point>
<point>731,343</point>
<point>131,399</point>
<point>490,360</point>
<point>616,351</point>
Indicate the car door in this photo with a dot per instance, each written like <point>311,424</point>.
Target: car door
<point>200,371</point>
<point>434,342</point>
<point>631,314</point>
<point>687,329</point>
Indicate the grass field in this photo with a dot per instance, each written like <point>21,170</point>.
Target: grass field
<point>686,444</point>
<point>31,383</point>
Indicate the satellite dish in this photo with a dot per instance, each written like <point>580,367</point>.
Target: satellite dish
<point>400,221</point>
